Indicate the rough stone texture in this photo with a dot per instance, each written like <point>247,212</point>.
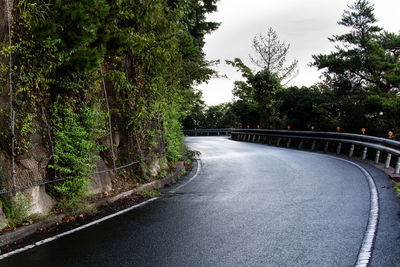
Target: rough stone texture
<point>3,18</point>
<point>41,202</point>
<point>101,182</point>
<point>30,170</point>
<point>4,98</point>
<point>116,138</point>
<point>5,169</point>
<point>154,167</point>
<point>31,167</point>
<point>3,220</point>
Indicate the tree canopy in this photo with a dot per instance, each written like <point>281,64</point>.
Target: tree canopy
<point>366,57</point>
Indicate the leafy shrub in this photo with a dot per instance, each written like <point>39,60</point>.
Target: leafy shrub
<point>149,193</point>
<point>16,209</point>
<point>75,146</point>
<point>174,137</point>
<point>73,205</point>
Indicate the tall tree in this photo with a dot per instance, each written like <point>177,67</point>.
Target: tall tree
<point>366,57</point>
<point>271,53</point>
<point>256,96</point>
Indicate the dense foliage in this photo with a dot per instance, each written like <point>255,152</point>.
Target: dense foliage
<point>149,53</point>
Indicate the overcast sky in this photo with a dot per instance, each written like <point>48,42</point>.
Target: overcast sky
<point>305,24</point>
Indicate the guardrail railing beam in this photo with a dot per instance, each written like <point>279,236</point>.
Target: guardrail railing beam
<point>300,144</point>
<point>313,145</point>
<point>326,147</point>
<point>351,150</point>
<point>288,142</point>
<point>364,154</point>
<point>388,159</point>
<point>378,144</point>
<point>339,148</point>
<point>377,156</point>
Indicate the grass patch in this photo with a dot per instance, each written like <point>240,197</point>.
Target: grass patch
<point>149,193</point>
<point>16,210</point>
<point>183,171</point>
<point>397,188</point>
<point>74,206</point>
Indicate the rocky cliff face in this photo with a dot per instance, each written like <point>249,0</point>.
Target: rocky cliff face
<point>3,93</point>
<point>31,167</point>
<point>3,60</point>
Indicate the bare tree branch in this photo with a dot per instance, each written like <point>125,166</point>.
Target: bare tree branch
<point>270,53</point>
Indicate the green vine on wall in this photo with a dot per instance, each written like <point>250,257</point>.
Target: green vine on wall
<point>151,55</point>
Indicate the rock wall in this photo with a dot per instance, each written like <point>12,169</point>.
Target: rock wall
<point>3,87</point>
<point>101,182</point>
<point>30,170</point>
<point>4,99</point>
<point>3,18</point>
<point>31,167</point>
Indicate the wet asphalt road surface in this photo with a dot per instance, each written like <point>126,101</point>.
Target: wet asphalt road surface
<point>249,205</point>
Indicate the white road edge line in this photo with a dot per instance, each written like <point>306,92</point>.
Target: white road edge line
<point>367,246</point>
<point>191,179</point>
<point>47,240</point>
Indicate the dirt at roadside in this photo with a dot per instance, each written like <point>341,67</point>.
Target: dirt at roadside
<point>66,223</point>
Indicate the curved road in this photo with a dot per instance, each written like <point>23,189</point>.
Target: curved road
<point>249,205</point>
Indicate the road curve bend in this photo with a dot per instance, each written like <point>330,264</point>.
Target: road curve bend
<point>248,205</point>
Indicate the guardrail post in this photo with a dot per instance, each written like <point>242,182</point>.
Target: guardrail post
<point>377,155</point>
<point>254,138</point>
<point>218,133</point>
<point>270,141</point>
<point>397,169</point>
<point>277,142</point>
<point>259,139</point>
<point>339,147</point>
<point>364,154</point>
<point>326,147</point>
<point>300,144</point>
<point>313,145</point>
<point>288,142</point>
<point>351,150</point>
<point>388,159</point>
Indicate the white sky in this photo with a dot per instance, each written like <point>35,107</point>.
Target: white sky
<point>305,24</point>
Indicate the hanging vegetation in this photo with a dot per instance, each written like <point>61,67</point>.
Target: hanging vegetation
<point>147,54</point>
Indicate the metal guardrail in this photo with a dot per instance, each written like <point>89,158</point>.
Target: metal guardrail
<point>377,144</point>
<point>195,132</point>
